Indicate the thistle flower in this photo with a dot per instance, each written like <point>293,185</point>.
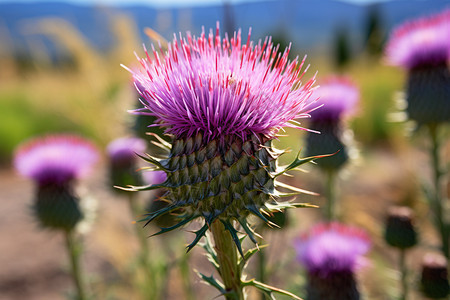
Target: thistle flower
<point>400,230</point>
<point>331,253</point>
<point>339,97</point>
<point>55,159</point>
<point>222,103</point>
<point>422,47</point>
<point>54,162</point>
<point>434,277</point>
<point>123,160</point>
<point>420,42</point>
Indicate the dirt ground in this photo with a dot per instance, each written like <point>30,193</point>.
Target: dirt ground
<point>34,263</point>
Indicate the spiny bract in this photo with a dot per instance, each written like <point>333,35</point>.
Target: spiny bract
<point>222,103</point>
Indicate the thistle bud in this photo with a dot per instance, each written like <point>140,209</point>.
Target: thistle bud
<point>434,278</point>
<point>54,163</point>
<point>400,231</point>
<point>123,165</point>
<point>422,47</point>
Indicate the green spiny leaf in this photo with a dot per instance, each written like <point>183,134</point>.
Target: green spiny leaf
<point>250,232</point>
<point>212,281</point>
<point>249,254</point>
<point>198,235</point>
<point>300,161</point>
<point>233,232</point>
<point>151,216</point>
<point>154,161</point>
<point>181,223</point>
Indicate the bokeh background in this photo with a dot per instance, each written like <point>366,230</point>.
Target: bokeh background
<point>60,72</point>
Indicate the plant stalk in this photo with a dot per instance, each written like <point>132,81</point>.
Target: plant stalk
<point>404,275</point>
<point>330,191</point>
<point>437,204</point>
<point>144,250</point>
<point>74,250</point>
<point>227,256</point>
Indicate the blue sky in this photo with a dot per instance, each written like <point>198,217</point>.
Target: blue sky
<point>165,3</point>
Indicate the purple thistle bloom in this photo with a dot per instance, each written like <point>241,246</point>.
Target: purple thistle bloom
<point>54,162</point>
<point>422,47</point>
<point>333,247</point>
<point>55,159</point>
<point>339,97</point>
<point>331,253</point>
<point>222,87</point>
<point>126,148</point>
<point>420,42</point>
<point>222,103</point>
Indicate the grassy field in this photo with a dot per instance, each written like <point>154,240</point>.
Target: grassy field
<point>92,96</point>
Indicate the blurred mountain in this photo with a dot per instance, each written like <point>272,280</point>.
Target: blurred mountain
<point>310,24</point>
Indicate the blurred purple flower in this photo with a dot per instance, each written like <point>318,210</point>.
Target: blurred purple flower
<point>333,247</point>
<point>419,42</point>
<point>125,149</point>
<point>422,46</point>
<point>154,177</point>
<point>55,159</point>
<point>339,97</point>
<point>222,87</point>
<point>54,162</point>
<point>331,253</point>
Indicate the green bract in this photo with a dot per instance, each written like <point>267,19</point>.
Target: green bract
<point>226,179</point>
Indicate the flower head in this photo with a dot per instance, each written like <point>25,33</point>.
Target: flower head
<point>221,87</point>
<point>54,161</point>
<point>422,41</point>
<point>339,97</point>
<point>126,148</point>
<point>333,247</point>
<point>55,158</point>
<point>222,102</point>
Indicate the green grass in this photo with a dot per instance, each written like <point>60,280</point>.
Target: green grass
<point>20,120</point>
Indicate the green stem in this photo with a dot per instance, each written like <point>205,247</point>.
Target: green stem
<point>144,250</point>
<point>436,202</point>
<point>262,269</point>
<point>74,250</point>
<point>404,274</point>
<point>227,256</point>
<point>331,196</point>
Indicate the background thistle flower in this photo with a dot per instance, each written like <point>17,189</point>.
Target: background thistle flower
<point>400,231</point>
<point>434,276</point>
<point>54,162</point>
<point>123,161</point>
<point>222,103</point>
<point>422,47</point>
<point>331,253</point>
<point>339,97</point>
